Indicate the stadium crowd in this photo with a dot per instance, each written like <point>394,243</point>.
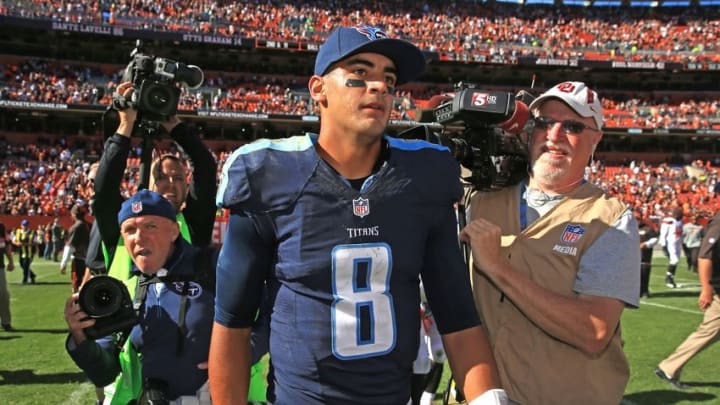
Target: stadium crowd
<point>45,178</point>
<point>451,29</point>
<point>48,178</point>
<point>67,83</point>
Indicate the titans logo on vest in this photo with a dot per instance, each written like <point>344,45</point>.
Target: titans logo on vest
<point>194,289</point>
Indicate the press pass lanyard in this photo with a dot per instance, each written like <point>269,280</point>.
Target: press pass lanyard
<point>523,207</point>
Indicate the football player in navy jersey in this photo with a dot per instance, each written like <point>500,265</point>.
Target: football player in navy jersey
<point>345,223</point>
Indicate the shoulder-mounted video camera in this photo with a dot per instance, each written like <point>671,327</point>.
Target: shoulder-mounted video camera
<point>486,133</point>
<point>157,84</point>
<point>107,300</point>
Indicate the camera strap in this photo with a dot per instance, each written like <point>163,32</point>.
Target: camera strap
<point>204,275</point>
<point>523,207</point>
<point>141,295</point>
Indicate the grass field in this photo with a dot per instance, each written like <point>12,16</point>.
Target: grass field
<point>34,368</point>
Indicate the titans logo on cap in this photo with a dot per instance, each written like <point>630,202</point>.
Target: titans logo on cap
<point>372,33</point>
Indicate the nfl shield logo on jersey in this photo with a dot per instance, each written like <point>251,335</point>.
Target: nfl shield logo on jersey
<point>572,233</point>
<point>361,207</point>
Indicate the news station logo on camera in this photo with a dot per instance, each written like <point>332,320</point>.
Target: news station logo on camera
<point>483,130</point>
<point>483,99</point>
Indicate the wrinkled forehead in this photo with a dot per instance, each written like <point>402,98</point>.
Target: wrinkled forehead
<point>146,219</point>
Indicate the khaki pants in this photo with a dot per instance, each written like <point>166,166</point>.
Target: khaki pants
<point>706,334</point>
<point>4,298</point>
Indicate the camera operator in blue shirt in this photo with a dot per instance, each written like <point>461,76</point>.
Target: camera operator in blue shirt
<point>175,310</point>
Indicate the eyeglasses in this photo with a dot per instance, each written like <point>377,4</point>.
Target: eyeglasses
<point>569,127</point>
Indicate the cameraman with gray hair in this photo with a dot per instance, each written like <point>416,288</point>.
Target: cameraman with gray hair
<point>173,305</point>
<point>192,201</point>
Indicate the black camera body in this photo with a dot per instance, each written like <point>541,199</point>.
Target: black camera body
<point>157,83</point>
<point>107,300</point>
<point>486,133</point>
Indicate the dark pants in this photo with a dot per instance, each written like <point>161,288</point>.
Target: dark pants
<point>58,247</point>
<point>28,275</point>
<point>48,251</point>
<point>77,272</point>
<point>692,258</point>
<point>644,278</point>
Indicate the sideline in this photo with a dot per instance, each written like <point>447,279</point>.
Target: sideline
<point>77,396</point>
<point>655,304</point>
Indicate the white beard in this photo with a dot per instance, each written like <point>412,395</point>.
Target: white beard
<point>548,173</point>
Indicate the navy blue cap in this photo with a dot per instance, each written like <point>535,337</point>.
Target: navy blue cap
<point>24,222</point>
<point>146,202</point>
<point>347,41</point>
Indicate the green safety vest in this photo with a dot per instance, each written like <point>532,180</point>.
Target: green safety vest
<point>129,383</point>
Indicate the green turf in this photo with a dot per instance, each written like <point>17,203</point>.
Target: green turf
<point>34,368</point>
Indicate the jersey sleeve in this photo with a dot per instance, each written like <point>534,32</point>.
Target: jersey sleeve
<point>433,168</point>
<point>266,175</point>
<point>446,278</point>
<point>444,273</point>
<point>243,264</point>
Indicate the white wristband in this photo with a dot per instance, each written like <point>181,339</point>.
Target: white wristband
<point>496,396</point>
<point>67,253</point>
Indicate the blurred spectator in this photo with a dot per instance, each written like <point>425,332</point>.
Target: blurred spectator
<point>691,239</point>
<point>57,239</point>
<point>5,252</point>
<point>23,240</point>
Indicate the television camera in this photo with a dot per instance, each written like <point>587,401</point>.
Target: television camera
<point>486,132</point>
<point>157,84</point>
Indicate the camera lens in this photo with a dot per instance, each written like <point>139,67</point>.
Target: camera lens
<point>157,97</point>
<point>101,296</point>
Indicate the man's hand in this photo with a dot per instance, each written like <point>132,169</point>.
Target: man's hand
<point>484,239</point>
<point>128,114</point>
<point>62,269</point>
<point>76,319</point>
<point>10,266</point>
<point>706,297</point>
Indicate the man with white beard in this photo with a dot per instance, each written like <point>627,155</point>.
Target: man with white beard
<point>556,261</point>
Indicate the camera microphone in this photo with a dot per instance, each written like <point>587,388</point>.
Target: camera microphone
<point>519,118</point>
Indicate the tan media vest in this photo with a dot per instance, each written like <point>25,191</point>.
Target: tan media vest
<point>536,368</point>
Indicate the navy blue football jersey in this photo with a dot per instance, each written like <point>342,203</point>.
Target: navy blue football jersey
<point>344,326</point>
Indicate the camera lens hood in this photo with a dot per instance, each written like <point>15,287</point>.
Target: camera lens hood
<point>102,296</point>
